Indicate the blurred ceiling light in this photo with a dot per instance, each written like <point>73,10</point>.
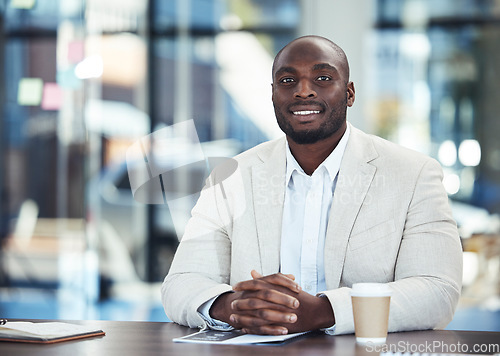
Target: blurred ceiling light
<point>415,45</point>
<point>22,4</point>
<point>231,22</point>
<point>415,14</point>
<point>90,67</point>
<point>447,153</point>
<point>469,153</point>
<point>451,183</point>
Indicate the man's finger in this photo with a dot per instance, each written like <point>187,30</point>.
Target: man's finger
<point>266,330</point>
<point>254,303</point>
<point>277,279</point>
<point>256,275</point>
<point>261,291</point>
<point>262,317</point>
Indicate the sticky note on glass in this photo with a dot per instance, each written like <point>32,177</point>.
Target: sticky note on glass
<point>30,91</point>
<point>22,4</point>
<point>76,51</point>
<point>52,96</point>
<point>67,79</point>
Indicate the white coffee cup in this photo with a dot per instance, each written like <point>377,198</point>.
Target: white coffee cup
<point>370,307</point>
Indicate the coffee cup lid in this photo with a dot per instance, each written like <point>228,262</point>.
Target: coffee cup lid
<point>371,289</point>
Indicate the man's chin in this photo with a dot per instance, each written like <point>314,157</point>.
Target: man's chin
<point>305,137</point>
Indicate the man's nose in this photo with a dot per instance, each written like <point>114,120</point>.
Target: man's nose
<point>305,90</point>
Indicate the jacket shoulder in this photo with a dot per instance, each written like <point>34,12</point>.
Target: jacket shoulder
<point>396,154</point>
<point>261,152</point>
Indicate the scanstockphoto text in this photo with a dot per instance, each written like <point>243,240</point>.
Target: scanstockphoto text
<point>435,346</point>
<point>348,183</point>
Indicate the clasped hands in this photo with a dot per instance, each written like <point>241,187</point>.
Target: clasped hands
<point>273,305</point>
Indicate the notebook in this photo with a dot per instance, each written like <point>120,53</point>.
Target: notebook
<point>45,332</point>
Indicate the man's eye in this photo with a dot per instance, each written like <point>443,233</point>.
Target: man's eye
<point>324,78</point>
<point>286,80</point>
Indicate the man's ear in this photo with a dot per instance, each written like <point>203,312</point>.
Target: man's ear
<point>272,91</point>
<point>351,94</point>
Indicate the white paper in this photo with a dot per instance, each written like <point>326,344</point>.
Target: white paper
<point>233,338</point>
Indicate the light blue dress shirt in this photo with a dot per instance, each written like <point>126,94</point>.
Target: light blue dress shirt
<point>308,200</point>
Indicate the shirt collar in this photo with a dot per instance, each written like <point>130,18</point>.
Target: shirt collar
<point>331,163</point>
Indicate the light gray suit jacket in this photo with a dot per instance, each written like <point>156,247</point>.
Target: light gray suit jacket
<point>390,222</point>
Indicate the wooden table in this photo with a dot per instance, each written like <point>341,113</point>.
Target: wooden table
<point>153,338</point>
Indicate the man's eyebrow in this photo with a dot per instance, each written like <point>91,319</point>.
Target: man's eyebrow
<point>285,70</point>
<point>321,66</point>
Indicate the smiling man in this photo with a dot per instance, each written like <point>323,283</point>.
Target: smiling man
<point>275,248</point>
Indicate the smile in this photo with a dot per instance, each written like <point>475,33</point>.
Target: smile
<point>306,112</point>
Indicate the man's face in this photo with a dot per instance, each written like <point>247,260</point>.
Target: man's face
<point>310,91</point>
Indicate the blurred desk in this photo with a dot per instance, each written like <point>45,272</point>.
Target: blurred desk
<point>154,338</point>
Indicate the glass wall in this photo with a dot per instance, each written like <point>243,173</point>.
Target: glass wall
<point>83,83</point>
<point>433,88</point>
<point>43,146</point>
<point>210,61</point>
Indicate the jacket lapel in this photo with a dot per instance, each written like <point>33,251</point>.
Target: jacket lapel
<point>268,197</point>
<point>353,182</point>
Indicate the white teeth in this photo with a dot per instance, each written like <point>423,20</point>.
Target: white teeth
<point>306,112</point>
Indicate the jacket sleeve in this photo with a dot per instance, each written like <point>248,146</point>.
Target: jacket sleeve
<point>201,266</point>
<point>428,270</point>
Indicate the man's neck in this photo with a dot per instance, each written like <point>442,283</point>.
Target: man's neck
<point>310,156</point>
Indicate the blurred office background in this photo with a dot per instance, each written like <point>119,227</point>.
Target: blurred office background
<point>81,82</point>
